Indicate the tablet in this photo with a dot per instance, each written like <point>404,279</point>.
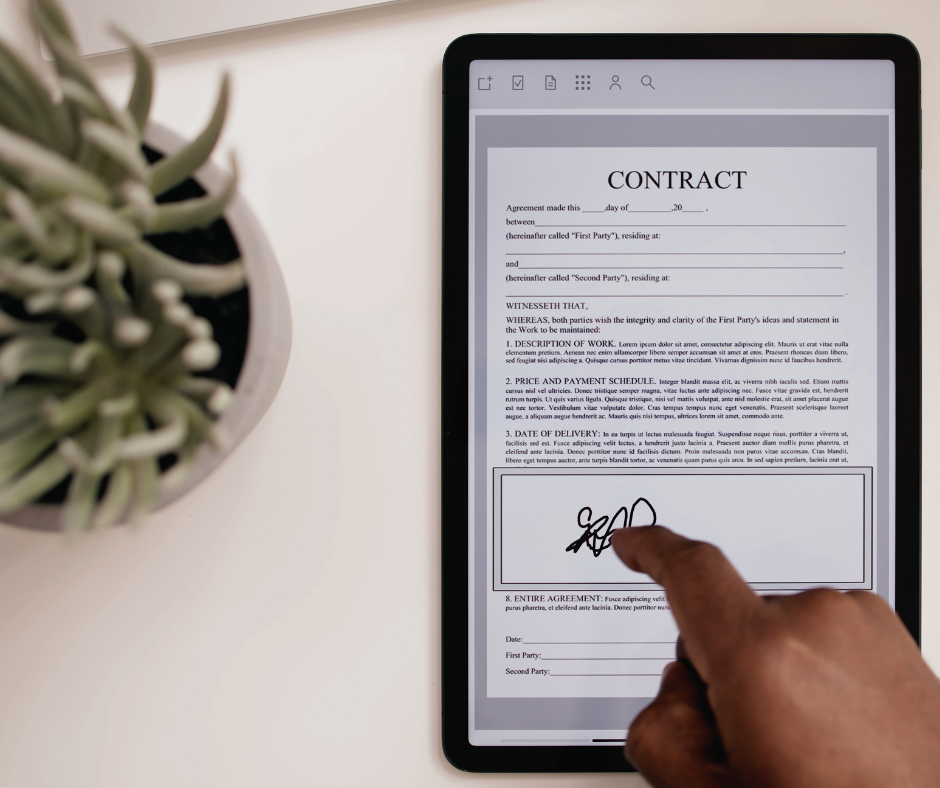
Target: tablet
<point>681,285</point>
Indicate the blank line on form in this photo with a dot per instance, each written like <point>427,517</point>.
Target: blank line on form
<point>688,225</point>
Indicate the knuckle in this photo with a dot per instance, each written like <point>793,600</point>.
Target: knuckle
<point>692,555</point>
<point>815,604</point>
<point>778,653</point>
<point>825,597</point>
<point>661,717</point>
<point>870,601</point>
<point>827,605</point>
<point>764,636</point>
<point>646,733</point>
<point>656,730</point>
<point>785,642</point>
<point>643,723</point>
<point>676,716</point>
<point>699,551</point>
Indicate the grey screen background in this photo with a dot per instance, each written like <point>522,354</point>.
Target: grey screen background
<point>584,131</point>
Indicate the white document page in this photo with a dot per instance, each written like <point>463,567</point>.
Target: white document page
<point>673,329</point>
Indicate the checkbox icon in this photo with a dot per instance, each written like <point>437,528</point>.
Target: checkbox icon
<point>517,83</point>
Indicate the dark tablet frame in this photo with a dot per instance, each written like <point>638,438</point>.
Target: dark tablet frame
<point>454,334</point>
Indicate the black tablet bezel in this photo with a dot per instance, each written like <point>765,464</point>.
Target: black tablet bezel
<point>454,333</point>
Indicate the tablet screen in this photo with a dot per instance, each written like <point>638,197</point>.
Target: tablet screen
<point>681,312</point>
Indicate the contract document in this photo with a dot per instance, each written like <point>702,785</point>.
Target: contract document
<point>679,314</point>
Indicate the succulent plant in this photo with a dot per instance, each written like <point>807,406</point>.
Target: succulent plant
<point>100,354</point>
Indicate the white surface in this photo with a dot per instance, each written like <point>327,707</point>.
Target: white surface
<point>279,626</point>
<point>156,21</point>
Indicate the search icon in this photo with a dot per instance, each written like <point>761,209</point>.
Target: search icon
<point>647,82</point>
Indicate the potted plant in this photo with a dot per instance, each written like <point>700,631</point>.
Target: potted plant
<point>144,323</point>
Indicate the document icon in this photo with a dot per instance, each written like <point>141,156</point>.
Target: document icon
<point>549,82</point>
<point>483,83</point>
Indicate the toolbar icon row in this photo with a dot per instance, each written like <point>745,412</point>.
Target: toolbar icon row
<point>581,82</point>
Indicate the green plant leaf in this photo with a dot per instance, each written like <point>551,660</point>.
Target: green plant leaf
<point>21,403</point>
<point>76,514</point>
<point>33,94</point>
<point>55,18</point>
<point>36,276</point>
<point>108,277</point>
<point>68,62</point>
<point>146,475</point>
<point>198,212</point>
<point>100,221</point>
<point>142,93</point>
<point>19,450</point>
<point>20,119</point>
<point>118,145</point>
<point>39,167</point>
<point>91,350</point>
<point>168,437</point>
<point>212,280</point>
<point>34,355</point>
<point>33,483</point>
<point>116,497</point>
<point>67,414</point>
<point>10,326</point>
<point>52,243</point>
<point>173,170</point>
<point>84,99</point>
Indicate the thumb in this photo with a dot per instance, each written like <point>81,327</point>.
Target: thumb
<point>673,742</point>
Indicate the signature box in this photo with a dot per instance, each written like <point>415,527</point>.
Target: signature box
<point>783,529</point>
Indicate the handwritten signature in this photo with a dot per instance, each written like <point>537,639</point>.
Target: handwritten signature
<point>597,532</point>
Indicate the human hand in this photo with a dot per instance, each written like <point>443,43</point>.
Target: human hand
<point>821,689</point>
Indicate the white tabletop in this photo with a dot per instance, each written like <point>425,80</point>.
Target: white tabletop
<point>280,624</point>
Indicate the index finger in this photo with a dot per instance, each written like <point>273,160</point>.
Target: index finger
<point>712,604</point>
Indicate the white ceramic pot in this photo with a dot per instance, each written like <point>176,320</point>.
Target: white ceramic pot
<point>269,337</point>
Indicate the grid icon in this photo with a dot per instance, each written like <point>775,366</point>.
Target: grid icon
<point>582,81</point>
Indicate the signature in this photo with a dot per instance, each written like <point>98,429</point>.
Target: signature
<point>597,532</point>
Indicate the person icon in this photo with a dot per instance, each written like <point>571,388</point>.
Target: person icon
<point>615,83</point>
